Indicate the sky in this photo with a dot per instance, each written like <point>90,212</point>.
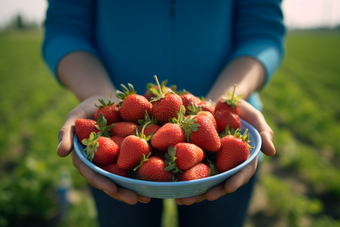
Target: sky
<point>297,13</point>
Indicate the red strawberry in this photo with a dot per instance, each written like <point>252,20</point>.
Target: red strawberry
<point>207,106</point>
<point>231,103</point>
<point>234,150</point>
<point>196,172</point>
<point>109,110</point>
<point>152,169</point>
<point>224,118</point>
<point>113,168</point>
<point>149,94</point>
<point>84,127</point>
<point>123,129</point>
<point>117,139</point>
<point>183,156</point>
<point>100,150</point>
<point>131,151</point>
<point>165,105</point>
<point>188,99</point>
<point>169,134</point>
<point>197,110</point>
<point>132,106</point>
<point>201,131</point>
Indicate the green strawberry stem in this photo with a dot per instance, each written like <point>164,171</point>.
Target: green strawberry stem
<point>232,100</point>
<point>189,125</point>
<point>159,86</point>
<point>180,117</point>
<point>103,127</point>
<point>143,159</point>
<point>170,160</point>
<point>126,92</point>
<point>142,135</point>
<point>194,109</point>
<point>182,92</point>
<point>104,104</point>
<point>211,101</point>
<point>214,170</point>
<point>236,133</point>
<point>150,85</point>
<point>147,119</point>
<point>91,145</point>
<point>160,92</point>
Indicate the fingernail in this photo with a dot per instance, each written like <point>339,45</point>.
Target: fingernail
<point>59,145</point>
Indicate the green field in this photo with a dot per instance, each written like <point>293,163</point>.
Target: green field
<point>298,187</point>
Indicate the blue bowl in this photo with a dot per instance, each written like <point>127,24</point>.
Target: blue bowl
<point>181,189</point>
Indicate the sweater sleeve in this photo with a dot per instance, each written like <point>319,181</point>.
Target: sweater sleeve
<point>68,27</point>
<point>259,33</point>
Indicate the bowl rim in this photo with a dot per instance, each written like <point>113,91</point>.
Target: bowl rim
<point>254,134</point>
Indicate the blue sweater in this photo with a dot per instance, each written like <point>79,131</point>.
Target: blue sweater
<point>187,42</point>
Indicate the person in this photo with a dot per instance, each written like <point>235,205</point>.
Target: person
<point>205,47</point>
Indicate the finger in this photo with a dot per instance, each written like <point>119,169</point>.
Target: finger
<point>241,177</point>
<point>144,199</point>
<point>65,136</point>
<point>256,119</point>
<point>191,200</point>
<point>216,192</point>
<point>125,195</point>
<point>66,133</point>
<point>103,183</point>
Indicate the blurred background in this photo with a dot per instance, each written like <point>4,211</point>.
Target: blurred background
<point>298,187</point>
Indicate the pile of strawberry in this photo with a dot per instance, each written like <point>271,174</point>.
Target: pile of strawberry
<point>164,135</point>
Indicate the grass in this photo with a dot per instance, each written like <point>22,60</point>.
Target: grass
<point>301,105</point>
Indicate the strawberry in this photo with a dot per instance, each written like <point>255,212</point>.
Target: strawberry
<point>148,93</point>
<point>224,118</point>
<point>231,103</point>
<point>197,110</point>
<point>114,169</point>
<point>169,134</point>
<point>234,150</point>
<point>152,169</point>
<point>207,105</point>
<point>196,172</point>
<point>84,127</point>
<point>201,131</point>
<point>165,105</point>
<point>148,125</point>
<point>183,156</point>
<point>123,129</point>
<point>109,110</point>
<point>131,151</point>
<point>100,150</point>
<point>188,99</point>
<point>118,139</point>
<point>132,106</point>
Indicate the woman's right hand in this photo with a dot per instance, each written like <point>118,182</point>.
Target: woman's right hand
<point>86,109</point>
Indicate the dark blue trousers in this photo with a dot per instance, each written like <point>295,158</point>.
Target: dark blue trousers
<point>228,211</point>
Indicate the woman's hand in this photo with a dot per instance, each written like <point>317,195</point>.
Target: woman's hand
<point>86,110</point>
<point>255,118</point>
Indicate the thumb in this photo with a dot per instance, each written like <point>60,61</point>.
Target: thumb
<point>66,133</point>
